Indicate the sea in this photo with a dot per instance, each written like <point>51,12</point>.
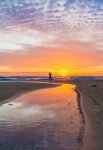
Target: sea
<point>44,78</point>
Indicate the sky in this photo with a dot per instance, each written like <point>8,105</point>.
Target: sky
<point>62,36</point>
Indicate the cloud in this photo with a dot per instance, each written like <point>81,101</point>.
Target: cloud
<point>49,13</point>
<point>20,40</point>
<point>49,23</point>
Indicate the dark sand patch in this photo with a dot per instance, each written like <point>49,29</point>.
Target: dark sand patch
<point>10,89</point>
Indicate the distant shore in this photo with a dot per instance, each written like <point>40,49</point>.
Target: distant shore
<point>91,92</point>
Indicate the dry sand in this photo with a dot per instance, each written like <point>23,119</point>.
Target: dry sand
<point>92,103</point>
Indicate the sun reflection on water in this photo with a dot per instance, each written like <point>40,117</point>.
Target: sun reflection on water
<point>49,115</point>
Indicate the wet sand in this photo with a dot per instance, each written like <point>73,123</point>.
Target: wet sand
<point>11,89</point>
<point>91,93</point>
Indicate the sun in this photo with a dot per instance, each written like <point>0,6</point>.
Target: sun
<point>63,74</point>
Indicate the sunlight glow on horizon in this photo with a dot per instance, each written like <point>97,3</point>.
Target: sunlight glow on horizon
<point>64,73</point>
<point>64,37</point>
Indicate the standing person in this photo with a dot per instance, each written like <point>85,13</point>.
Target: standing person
<point>50,76</point>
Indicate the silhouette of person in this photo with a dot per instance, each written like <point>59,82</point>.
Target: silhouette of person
<point>50,76</point>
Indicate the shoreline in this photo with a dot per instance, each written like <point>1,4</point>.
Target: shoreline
<point>85,130</point>
<point>87,139</point>
<point>92,106</point>
<point>82,116</point>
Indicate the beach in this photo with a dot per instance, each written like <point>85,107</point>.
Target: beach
<point>92,104</point>
<point>91,99</point>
